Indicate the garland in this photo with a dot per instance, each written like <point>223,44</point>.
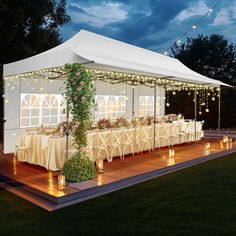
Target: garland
<point>80,98</point>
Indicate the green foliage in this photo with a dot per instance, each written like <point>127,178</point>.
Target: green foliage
<point>211,56</point>
<point>29,27</point>
<point>196,201</point>
<point>79,168</point>
<point>80,98</point>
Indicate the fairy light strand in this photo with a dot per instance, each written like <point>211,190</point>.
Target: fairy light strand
<point>193,26</point>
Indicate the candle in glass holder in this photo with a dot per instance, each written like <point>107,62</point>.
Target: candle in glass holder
<point>171,152</point>
<point>225,139</point>
<point>221,144</point>
<point>100,165</point>
<point>208,146</point>
<point>61,182</point>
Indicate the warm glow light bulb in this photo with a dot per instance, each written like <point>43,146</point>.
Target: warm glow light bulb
<point>207,110</point>
<point>167,104</point>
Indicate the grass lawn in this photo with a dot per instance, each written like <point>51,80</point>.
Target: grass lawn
<point>200,200</point>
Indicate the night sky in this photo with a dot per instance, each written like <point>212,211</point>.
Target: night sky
<point>151,24</point>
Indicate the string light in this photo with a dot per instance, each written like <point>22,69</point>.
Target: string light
<point>113,77</point>
<point>195,25</point>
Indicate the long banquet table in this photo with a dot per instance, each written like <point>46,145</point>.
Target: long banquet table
<point>49,151</point>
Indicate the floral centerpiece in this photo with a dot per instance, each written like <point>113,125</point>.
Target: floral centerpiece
<point>104,123</point>
<point>170,118</point>
<point>121,122</point>
<point>65,127</point>
<point>150,120</point>
<point>80,98</point>
<point>135,121</point>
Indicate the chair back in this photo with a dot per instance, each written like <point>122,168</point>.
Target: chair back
<point>128,135</point>
<point>90,139</point>
<point>161,130</point>
<point>116,137</point>
<point>102,139</point>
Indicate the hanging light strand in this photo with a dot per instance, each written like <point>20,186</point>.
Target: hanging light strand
<point>194,26</point>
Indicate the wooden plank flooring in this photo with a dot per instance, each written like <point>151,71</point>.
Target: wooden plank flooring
<point>46,181</point>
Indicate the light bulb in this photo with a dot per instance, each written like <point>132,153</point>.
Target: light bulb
<point>167,104</point>
<point>207,110</point>
<point>213,99</point>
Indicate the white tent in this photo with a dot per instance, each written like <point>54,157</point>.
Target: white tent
<point>100,53</point>
<point>110,54</point>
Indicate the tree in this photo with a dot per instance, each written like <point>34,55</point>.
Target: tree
<point>28,27</point>
<point>215,58</point>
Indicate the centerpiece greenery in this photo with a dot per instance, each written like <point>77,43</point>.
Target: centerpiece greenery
<point>80,98</point>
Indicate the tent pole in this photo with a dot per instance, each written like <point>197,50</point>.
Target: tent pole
<point>132,101</point>
<point>195,116</point>
<point>219,113</point>
<point>155,114</point>
<point>67,133</point>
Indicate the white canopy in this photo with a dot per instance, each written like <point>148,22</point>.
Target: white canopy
<point>109,54</point>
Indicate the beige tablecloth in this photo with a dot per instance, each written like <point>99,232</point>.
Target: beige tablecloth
<point>45,151</point>
<point>49,152</point>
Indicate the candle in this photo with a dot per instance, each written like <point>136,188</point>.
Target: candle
<point>225,139</point>
<point>221,144</point>
<point>61,182</point>
<point>171,152</point>
<point>208,146</point>
<point>100,165</point>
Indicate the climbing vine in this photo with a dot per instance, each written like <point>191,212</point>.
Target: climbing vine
<point>80,98</point>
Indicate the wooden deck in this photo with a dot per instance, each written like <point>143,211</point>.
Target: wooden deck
<point>43,183</point>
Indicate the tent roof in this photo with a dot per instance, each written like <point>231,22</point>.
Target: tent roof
<point>109,54</point>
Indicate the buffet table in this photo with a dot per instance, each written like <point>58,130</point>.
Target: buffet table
<point>49,151</point>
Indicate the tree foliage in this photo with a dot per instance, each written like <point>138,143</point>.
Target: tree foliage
<point>215,58</point>
<point>211,56</point>
<point>29,27</point>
